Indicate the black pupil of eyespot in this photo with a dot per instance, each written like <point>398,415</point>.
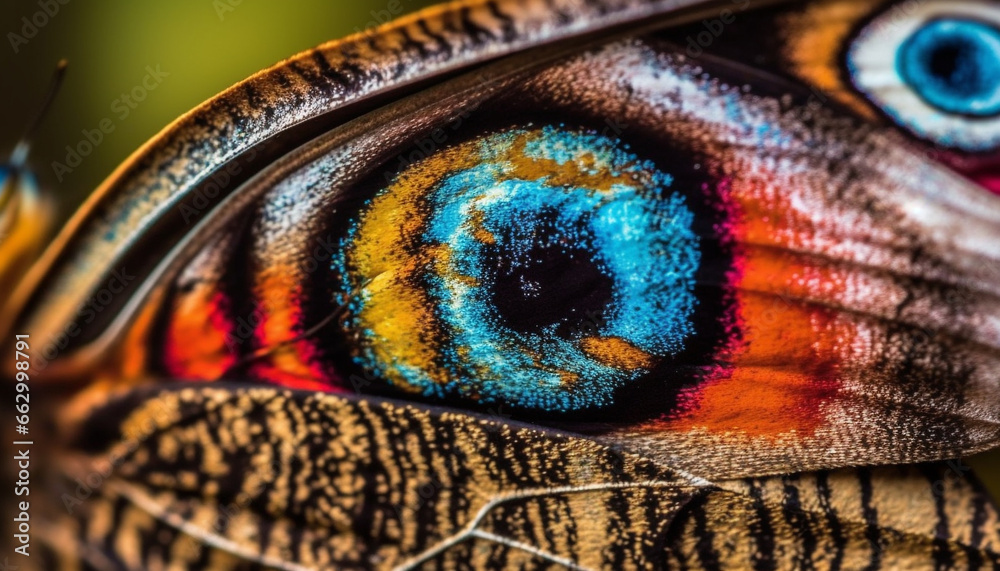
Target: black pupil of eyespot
<point>552,282</point>
<point>954,65</point>
<point>946,62</point>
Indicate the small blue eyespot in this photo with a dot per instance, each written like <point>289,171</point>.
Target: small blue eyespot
<point>954,66</point>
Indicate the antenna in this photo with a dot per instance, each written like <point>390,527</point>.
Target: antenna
<point>20,153</point>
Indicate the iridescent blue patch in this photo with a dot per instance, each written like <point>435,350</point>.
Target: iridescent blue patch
<point>954,65</point>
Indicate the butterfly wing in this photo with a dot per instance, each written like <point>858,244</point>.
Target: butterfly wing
<point>174,179</point>
<point>819,307</point>
<point>267,478</point>
<point>831,303</point>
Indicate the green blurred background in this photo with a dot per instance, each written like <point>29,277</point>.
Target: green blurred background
<point>204,46</point>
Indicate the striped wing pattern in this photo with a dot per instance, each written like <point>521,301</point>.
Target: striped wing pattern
<point>270,479</point>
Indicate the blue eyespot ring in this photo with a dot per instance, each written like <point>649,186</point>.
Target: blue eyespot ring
<point>954,66</point>
<point>546,268</point>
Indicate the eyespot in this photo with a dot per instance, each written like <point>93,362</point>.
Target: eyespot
<point>473,274</point>
<point>954,65</point>
<point>935,71</point>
